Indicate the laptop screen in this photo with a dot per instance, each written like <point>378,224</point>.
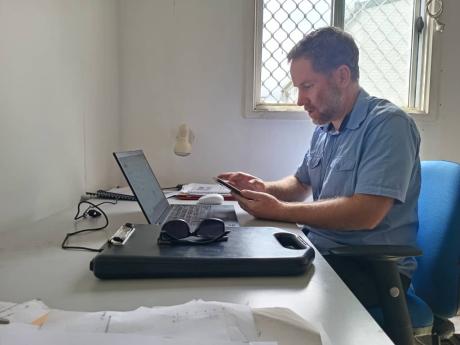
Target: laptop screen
<point>143,183</point>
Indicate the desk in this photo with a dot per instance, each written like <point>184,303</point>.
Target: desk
<point>32,265</point>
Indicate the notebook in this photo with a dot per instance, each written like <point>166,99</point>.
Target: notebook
<point>154,204</point>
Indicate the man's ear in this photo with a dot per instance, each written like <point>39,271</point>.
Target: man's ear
<point>342,75</point>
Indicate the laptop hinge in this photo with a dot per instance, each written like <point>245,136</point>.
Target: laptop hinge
<point>164,215</point>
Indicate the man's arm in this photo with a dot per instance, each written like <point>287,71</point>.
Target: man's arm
<point>288,189</point>
<point>358,212</point>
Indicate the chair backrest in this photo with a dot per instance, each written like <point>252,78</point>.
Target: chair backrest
<point>437,279</point>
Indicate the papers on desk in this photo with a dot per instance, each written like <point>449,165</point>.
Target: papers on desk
<point>217,320</point>
<point>203,189</point>
<point>193,191</point>
<point>196,322</point>
<point>16,334</point>
<point>30,312</point>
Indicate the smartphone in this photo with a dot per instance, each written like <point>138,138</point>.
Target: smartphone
<point>228,185</point>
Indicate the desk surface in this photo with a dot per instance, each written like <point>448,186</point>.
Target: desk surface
<point>32,265</point>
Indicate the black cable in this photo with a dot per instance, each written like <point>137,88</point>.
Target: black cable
<point>77,217</point>
<point>85,213</point>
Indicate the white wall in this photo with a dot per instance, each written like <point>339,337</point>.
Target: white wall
<point>185,61</point>
<point>58,104</point>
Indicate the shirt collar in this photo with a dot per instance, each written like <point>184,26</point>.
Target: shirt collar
<point>354,119</point>
<point>359,112</point>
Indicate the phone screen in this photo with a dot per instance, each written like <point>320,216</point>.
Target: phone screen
<point>228,185</point>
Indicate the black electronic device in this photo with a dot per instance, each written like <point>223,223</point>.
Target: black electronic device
<point>93,213</point>
<point>102,194</point>
<point>249,251</point>
<point>151,199</point>
<point>228,185</point>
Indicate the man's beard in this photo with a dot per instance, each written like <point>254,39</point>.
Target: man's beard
<point>331,111</point>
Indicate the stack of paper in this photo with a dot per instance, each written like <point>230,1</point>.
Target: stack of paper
<point>203,189</point>
<point>195,322</point>
<point>193,191</point>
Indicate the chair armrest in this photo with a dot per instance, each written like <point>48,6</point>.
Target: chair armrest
<point>376,252</point>
<point>383,261</point>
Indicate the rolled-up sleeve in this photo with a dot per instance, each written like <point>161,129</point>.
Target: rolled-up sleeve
<point>302,171</point>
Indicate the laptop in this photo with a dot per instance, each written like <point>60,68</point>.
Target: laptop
<point>153,202</point>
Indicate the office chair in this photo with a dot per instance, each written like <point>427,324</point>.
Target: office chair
<point>421,315</point>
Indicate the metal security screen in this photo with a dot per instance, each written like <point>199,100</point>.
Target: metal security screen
<point>285,22</point>
<point>383,30</point>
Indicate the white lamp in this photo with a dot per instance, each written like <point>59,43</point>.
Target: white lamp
<point>184,140</point>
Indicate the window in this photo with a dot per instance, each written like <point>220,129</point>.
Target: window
<point>392,35</point>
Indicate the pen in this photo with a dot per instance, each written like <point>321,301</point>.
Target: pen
<point>4,321</point>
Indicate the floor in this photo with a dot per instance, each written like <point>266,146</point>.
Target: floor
<point>456,340</point>
<point>456,321</point>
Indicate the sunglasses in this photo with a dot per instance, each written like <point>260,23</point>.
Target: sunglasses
<point>177,231</point>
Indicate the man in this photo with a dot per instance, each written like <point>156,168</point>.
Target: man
<point>362,166</point>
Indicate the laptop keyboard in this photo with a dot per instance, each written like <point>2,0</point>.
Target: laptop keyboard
<point>189,213</point>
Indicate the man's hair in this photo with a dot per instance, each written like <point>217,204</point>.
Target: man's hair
<point>327,49</point>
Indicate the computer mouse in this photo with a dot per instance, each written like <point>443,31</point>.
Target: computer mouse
<point>211,199</point>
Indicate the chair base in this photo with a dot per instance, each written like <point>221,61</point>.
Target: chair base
<point>454,340</point>
<point>442,333</point>
<point>436,340</point>
<point>444,328</point>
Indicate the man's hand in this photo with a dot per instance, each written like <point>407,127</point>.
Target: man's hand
<point>260,205</point>
<point>244,181</point>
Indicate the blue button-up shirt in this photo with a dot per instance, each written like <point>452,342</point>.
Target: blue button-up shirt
<point>376,152</point>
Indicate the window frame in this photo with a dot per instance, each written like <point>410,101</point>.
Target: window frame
<point>424,50</point>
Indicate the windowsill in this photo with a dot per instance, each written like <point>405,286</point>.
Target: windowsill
<point>291,113</point>
<point>267,114</point>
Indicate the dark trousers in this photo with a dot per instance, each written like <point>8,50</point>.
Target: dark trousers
<point>358,276</point>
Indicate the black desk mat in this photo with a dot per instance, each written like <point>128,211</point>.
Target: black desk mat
<point>249,251</point>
